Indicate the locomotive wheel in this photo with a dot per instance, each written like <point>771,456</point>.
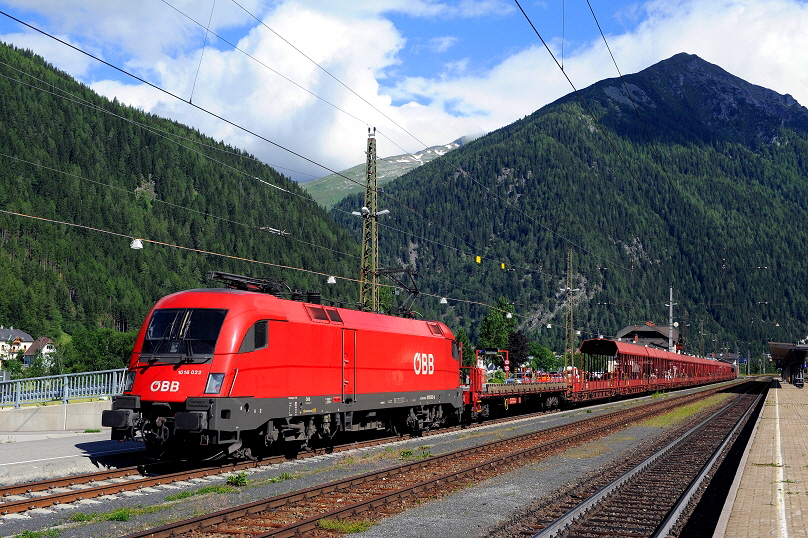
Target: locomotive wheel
<point>291,449</point>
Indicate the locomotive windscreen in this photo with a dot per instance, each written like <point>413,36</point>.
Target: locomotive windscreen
<point>182,335</point>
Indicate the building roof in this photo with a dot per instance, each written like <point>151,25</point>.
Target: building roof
<point>10,334</point>
<point>648,330</point>
<point>38,346</point>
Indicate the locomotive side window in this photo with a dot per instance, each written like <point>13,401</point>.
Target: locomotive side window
<point>182,335</point>
<point>257,337</point>
<point>317,313</point>
<point>456,355</point>
<point>333,315</point>
<point>435,328</point>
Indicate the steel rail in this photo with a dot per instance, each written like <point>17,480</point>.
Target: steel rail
<point>602,425</point>
<point>560,524</point>
<point>675,514</point>
<point>99,476</point>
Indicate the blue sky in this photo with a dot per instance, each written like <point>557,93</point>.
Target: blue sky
<point>433,70</point>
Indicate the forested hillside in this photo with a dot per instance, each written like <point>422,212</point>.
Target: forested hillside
<point>713,206</point>
<point>69,155</point>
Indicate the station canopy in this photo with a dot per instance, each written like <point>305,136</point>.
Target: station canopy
<point>786,354</point>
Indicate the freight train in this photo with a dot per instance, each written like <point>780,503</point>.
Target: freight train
<point>237,372</point>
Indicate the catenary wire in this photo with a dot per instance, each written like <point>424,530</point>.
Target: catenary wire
<point>209,112</point>
<point>168,136</point>
<point>221,255</point>
<point>235,47</point>
<point>81,101</point>
<point>157,200</point>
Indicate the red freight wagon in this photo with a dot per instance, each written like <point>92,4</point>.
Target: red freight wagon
<point>606,368</point>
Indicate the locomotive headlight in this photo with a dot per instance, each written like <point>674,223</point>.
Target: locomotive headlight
<point>129,381</point>
<point>214,385</point>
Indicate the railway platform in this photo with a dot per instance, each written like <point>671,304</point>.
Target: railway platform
<point>769,496</point>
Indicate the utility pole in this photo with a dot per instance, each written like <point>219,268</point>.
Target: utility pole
<point>569,334</point>
<point>368,275</point>
<point>671,347</point>
<point>701,337</point>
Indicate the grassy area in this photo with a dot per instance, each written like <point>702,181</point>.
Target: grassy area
<point>38,534</point>
<point>202,491</point>
<point>679,415</point>
<point>411,455</point>
<point>121,514</point>
<point>345,527</point>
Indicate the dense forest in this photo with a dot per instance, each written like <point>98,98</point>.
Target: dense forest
<point>706,195</point>
<point>91,175</point>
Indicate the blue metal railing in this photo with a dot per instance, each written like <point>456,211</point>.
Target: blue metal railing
<point>66,387</point>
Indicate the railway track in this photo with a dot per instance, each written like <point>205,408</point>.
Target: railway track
<point>45,494</point>
<point>25,496</point>
<point>18,498</point>
<point>375,493</point>
<point>649,495</point>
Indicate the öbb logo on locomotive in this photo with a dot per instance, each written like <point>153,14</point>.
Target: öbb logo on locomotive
<point>165,386</point>
<point>424,363</point>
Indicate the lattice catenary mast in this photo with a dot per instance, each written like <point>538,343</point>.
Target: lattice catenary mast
<point>569,333</point>
<point>368,274</point>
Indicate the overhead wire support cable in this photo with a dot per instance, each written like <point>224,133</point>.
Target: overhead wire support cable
<point>60,93</point>
<point>219,254</point>
<point>654,148</point>
<point>217,116</point>
<point>247,54</point>
<point>154,130</point>
<point>274,231</point>
<point>327,72</point>
<point>583,102</point>
<point>202,55</point>
<point>171,94</point>
<point>229,122</point>
<point>172,245</point>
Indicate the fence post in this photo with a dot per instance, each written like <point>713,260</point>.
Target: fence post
<point>64,389</point>
<point>17,397</point>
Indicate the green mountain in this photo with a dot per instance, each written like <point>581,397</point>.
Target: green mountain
<point>330,189</point>
<point>71,156</point>
<point>706,194</point>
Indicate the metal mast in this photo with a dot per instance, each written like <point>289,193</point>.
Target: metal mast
<point>569,335</point>
<point>368,274</point>
<point>670,322</point>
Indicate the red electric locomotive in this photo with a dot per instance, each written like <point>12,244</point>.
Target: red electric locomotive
<point>238,371</point>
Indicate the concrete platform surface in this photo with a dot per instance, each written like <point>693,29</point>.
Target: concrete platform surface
<point>770,495</point>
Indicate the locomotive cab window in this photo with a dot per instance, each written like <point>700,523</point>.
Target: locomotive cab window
<point>257,337</point>
<point>177,335</point>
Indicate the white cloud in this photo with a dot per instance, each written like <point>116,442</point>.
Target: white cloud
<point>55,53</point>
<point>442,44</point>
<point>759,40</point>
